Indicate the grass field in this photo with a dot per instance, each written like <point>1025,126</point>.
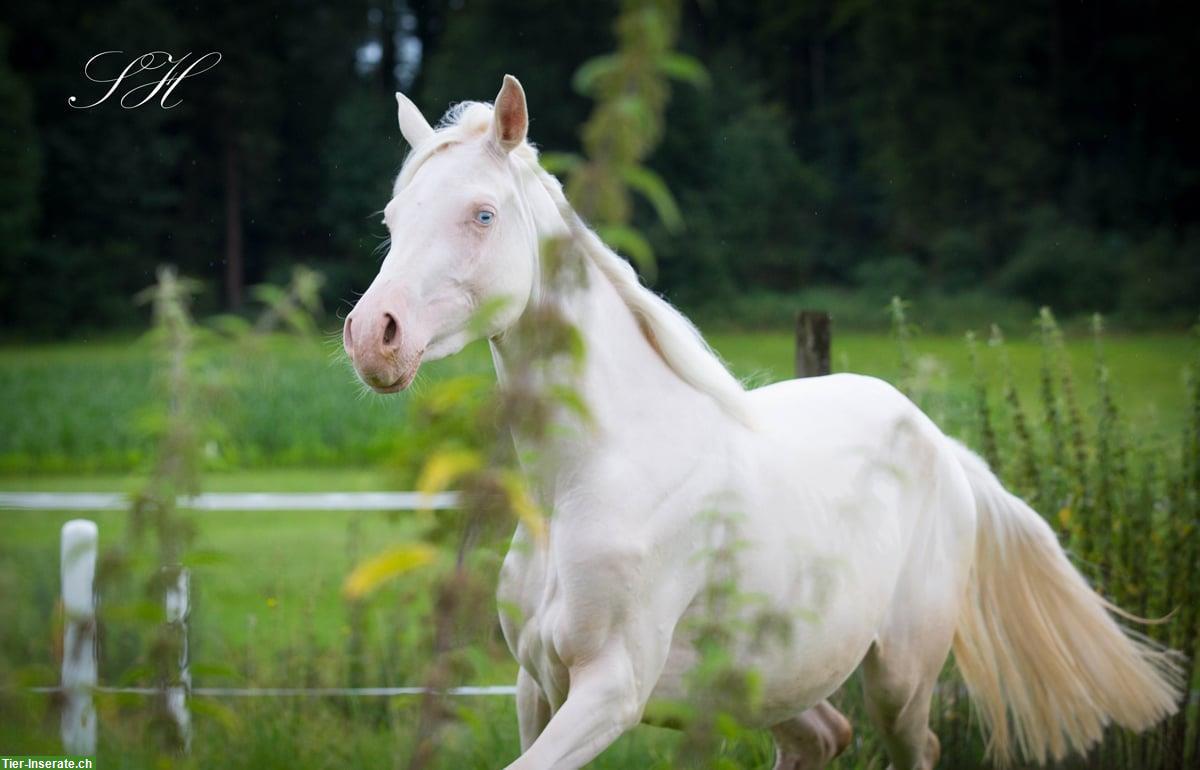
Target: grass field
<point>286,414</point>
<point>283,402</point>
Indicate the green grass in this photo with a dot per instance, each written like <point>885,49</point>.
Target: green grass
<point>1147,370</point>
<point>371,478</point>
<point>275,402</point>
<point>268,581</point>
<point>294,403</point>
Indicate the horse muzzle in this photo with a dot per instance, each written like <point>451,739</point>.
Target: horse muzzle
<point>381,350</point>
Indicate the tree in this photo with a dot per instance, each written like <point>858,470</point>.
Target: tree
<point>20,167</point>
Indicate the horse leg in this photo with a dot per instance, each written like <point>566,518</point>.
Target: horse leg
<point>811,740</point>
<point>533,710</point>
<point>899,674</point>
<point>607,697</point>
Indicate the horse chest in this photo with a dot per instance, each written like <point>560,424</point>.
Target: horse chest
<point>531,598</point>
<point>559,611</point>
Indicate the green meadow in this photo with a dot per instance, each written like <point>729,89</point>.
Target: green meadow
<point>284,402</point>
<point>286,414</point>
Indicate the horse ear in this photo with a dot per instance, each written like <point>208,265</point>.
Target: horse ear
<point>413,125</point>
<point>510,117</point>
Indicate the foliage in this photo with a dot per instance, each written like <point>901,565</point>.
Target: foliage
<point>359,158</point>
<point>154,509</point>
<point>1125,506</point>
<point>175,470</point>
<point>855,310</point>
<point>541,42</point>
<point>630,88</point>
<point>392,563</point>
<point>746,192</point>
<point>293,307</point>
<point>20,168</point>
<point>945,147</point>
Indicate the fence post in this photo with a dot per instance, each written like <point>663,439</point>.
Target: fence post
<point>812,343</point>
<point>178,608</point>
<point>78,571</point>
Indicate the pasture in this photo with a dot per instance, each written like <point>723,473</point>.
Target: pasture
<point>289,402</point>
<point>269,610</point>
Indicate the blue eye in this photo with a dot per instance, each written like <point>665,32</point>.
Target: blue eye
<point>484,217</point>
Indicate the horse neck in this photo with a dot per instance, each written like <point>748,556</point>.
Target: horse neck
<point>629,390</point>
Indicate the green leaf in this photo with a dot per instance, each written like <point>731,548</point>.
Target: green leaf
<point>455,393</point>
<point>572,400</point>
<point>392,563</point>
<point>306,285</point>
<point>669,713</point>
<point>269,294</point>
<point>218,712</point>
<point>655,190</point>
<point>510,610</point>
<point>523,506</point>
<point>634,110</point>
<point>299,321</point>
<point>591,71</point>
<point>632,244</point>
<point>560,163</point>
<point>445,467</point>
<point>481,319</point>
<point>688,69</point>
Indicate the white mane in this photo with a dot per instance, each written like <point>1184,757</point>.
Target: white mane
<point>675,338</point>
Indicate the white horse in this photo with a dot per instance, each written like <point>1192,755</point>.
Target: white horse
<point>883,542</point>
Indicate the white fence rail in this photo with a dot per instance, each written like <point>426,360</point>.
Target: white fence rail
<point>300,692</point>
<point>237,501</point>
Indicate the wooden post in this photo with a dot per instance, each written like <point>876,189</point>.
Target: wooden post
<point>78,570</point>
<point>812,343</point>
<point>178,608</point>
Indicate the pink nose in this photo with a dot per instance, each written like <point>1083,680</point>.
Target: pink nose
<point>372,339</point>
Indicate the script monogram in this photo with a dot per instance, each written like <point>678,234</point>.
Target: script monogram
<point>135,95</point>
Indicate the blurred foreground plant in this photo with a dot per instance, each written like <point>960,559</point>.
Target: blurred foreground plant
<point>631,87</point>
<point>175,472</point>
<point>294,308</point>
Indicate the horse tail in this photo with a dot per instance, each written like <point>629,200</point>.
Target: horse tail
<point>1046,663</point>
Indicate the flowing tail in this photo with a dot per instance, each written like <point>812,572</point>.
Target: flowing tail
<point>1046,664</point>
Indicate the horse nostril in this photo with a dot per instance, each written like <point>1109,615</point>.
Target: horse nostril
<point>389,331</point>
<point>347,339</point>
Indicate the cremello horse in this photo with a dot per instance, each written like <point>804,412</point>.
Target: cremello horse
<point>883,542</point>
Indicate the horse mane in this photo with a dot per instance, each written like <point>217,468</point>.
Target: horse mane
<point>669,332</point>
